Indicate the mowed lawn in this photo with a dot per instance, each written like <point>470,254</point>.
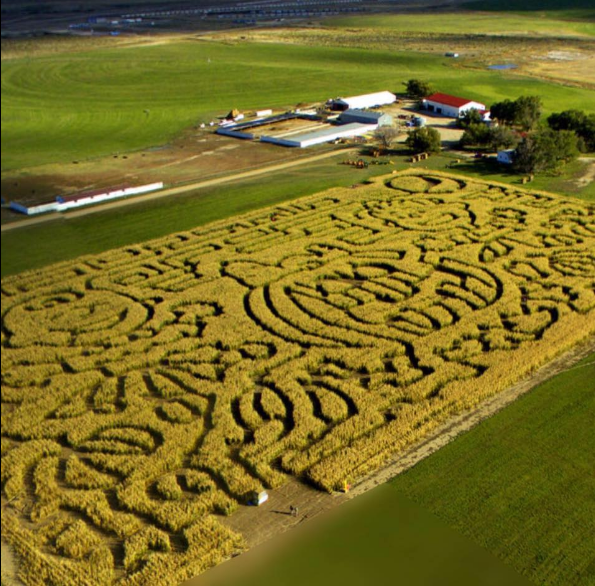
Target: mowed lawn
<point>522,484</point>
<point>71,106</point>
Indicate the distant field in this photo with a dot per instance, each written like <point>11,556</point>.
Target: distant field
<point>470,23</point>
<point>521,484</point>
<point>568,9</point>
<point>72,106</point>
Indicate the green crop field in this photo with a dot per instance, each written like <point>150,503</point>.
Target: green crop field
<point>379,535</point>
<point>70,106</point>
<point>521,484</point>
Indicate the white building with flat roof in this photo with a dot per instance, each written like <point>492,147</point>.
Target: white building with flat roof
<point>321,136</point>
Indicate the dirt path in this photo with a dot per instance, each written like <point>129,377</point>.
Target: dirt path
<point>174,190</point>
<point>589,173</point>
<point>260,524</point>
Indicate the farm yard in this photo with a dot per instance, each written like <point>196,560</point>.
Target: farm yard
<point>67,107</point>
<point>153,388</point>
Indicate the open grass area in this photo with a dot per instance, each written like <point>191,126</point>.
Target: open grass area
<point>379,537</point>
<point>521,484</point>
<point>470,23</point>
<point>69,106</point>
<point>38,246</point>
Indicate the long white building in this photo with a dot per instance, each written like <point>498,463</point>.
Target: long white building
<point>321,136</point>
<point>363,101</point>
<point>66,202</point>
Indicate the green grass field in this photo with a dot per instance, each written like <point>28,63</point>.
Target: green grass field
<point>37,246</point>
<point>521,484</point>
<point>379,538</point>
<point>489,23</point>
<point>69,106</point>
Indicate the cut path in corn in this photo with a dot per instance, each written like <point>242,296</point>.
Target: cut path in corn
<point>261,524</point>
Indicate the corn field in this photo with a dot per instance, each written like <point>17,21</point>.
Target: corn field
<point>149,390</point>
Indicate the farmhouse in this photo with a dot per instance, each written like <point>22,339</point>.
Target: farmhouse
<point>451,105</point>
<point>365,117</point>
<point>363,101</point>
<point>506,156</point>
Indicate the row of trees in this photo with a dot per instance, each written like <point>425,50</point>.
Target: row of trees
<point>539,146</point>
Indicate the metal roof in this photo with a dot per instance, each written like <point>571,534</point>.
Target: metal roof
<point>368,100</point>
<point>449,100</point>
<point>365,114</point>
<point>329,132</point>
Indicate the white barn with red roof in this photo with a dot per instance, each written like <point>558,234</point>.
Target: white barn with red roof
<point>452,106</point>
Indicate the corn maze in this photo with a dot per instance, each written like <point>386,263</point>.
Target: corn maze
<point>148,390</point>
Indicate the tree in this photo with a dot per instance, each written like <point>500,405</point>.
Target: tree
<point>523,112</point>
<point>527,111</point>
<point>416,89</point>
<point>545,150</point>
<point>424,140</point>
<point>502,137</point>
<point>503,112</point>
<point>476,135</point>
<point>579,122</point>
<point>472,116</point>
<point>386,135</point>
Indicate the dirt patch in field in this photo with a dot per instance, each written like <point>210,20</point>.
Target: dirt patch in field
<point>198,155</point>
<point>588,175</point>
<point>9,567</point>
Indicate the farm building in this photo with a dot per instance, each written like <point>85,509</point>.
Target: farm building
<point>365,117</point>
<point>313,129</point>
<point>66,202</point>
<point>363,101</point>
<point>327,134</point>
<point>452,106</point>
<point>506,156</point>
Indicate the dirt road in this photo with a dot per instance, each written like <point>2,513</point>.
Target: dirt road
<point>261,524</point>
<point>174,190</point>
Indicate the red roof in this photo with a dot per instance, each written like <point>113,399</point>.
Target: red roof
<point>448,100</point>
